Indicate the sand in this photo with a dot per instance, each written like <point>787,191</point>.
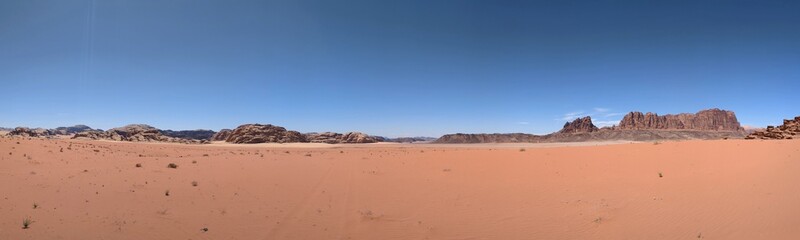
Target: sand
<point>726,189</point>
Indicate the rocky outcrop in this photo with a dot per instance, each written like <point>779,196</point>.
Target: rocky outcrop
<point>409,139</point>
<point>488,138</point>
<point>221,135</point>
<point>199,134</point>
<point>133,133</point>
<point>258,133</point>
<point>705,120</point>
<point>579,125</point>
<point>71,130</point>
<point>31,132</point>
<point>789,130</point>
<point>333,138</point>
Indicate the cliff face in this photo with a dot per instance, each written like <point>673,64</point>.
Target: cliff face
<point>706,120</point>
<point>258,133</point>
<point>579,125</point>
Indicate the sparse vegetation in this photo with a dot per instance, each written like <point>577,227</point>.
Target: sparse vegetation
<point>35,206</point>
<point>166,193</point>
<point>308,155</point>
<point>205,155</point>
<point>194,161</point>
<point>26,223</point>
<point>172,165</point>
<point>660,175</point>
<point>205,229</point>
<point>521,149</point>
<point>194,183</point>
<point>138,165</point>
<point>656,143</point>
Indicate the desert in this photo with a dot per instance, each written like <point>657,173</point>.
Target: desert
<point>706,189</point>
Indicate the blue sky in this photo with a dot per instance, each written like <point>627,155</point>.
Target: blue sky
<point>393,68</point>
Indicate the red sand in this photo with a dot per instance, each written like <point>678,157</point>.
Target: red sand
<point>732,189</point>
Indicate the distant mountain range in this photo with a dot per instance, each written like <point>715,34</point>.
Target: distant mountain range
<point>634,126</point>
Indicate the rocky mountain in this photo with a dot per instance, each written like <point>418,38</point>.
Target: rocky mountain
<point>706,124</point>
<point>200,134</point>
<point>706,120</point>
<point>221,135</point>
<point>258,133</point>
<point>789,130</point>
<point>132,133</point>
<point>579,125</point>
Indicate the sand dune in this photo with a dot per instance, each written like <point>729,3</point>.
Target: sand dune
<point>732,189</point>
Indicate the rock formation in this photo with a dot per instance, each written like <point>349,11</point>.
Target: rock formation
<point>31,132</point>
<point>579,125</point>
<point>258,133</point>
<point>635,126</point>
<point>221,135</point>
<point>199,134</point>
<point>789,130</point>
<point>332,138</point>
<point>133,133</point>
<point>71,130</point>
<point>706,120</point>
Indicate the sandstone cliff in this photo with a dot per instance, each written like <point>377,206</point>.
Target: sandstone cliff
<point>221,135</point>
<point>579,125</point>
<point>258,133</point>
<point>706,120</point>
<point>132,133</point>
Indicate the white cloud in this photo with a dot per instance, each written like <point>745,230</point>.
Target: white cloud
<point>613,114</point>
<point>570,116</point>
<point>523,123</point>
<point>601,110</point>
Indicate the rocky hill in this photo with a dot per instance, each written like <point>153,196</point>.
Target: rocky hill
<point>200,134</point>
<point>221,135</point>
<point>331,137</point>
<point>409,139</point>
<point>31,132</point>
<point>706,124</point>
<point>133,133</point>
<point>258,133</point>
<point>706,120</point>
<point>789,130</point>
<point>579,125</point>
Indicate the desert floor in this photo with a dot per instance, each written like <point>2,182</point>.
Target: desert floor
<point>727,189</point>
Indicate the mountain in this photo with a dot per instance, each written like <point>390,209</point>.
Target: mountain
<point>635,126</point>
<point>133,133</point>
<point>707,120</point>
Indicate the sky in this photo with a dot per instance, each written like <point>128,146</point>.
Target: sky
<point>393,68</point>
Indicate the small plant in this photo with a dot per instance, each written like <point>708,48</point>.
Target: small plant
<point>660,175</point>
<point>166,193</point>
<point>138,165</point>
<point>194,183</point>
<point>205,155</point>
<point>656,143</point>
<point>35,206</point>
<point>521,149</point>
<point>26,222</point>
<point>308,155</point>
<point>205,229</point>
<point>194,161</point>
<point>172,165</point>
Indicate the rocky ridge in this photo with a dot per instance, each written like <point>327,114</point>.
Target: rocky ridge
<point>635,126</point>
<point>133,133</point>
<point>789,130</point>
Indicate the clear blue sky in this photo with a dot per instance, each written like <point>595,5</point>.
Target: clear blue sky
<point>393,68</point>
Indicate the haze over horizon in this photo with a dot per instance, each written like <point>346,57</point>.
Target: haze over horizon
<point>396,69</point>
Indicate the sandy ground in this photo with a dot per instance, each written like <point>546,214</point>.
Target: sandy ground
<point>732,189</point>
